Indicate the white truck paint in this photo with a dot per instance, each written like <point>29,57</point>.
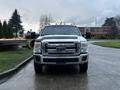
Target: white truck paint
<point>60,49</point>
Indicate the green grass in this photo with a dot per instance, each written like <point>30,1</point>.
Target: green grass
<point>109,43</point>
<point>9,59</point>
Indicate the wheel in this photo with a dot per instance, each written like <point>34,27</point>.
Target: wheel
<point>83,67</point>
<point>37,68</point>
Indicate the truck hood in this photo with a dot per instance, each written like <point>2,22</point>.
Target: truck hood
<point>66,38</point>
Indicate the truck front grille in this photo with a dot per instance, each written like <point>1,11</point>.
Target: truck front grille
<point>61,48</point>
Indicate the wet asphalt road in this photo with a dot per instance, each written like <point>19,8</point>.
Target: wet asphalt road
<point>103,74</point>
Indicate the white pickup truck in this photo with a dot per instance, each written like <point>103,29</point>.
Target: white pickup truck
<point>60,45</point>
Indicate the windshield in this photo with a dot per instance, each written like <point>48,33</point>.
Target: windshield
<point>60,30</point>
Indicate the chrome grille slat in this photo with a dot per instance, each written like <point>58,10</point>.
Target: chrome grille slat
<point>51,51</point>
<point>54,45</point>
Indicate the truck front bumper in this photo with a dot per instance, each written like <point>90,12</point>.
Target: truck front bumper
<point>61,60</point>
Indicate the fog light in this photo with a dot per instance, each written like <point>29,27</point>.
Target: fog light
<point>84,58</point>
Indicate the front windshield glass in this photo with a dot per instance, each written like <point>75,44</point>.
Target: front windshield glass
<point>60,30</point>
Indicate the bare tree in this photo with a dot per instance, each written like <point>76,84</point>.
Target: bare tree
<point>45,20</point>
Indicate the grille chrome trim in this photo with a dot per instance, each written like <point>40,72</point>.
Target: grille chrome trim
<point>50,49</point>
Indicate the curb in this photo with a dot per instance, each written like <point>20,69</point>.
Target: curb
<point>14,70</point>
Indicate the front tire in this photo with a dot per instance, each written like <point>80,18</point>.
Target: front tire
<point>38,67</point>
<point>83,67</point>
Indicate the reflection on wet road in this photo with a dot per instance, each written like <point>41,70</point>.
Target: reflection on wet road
<point>103,74</point>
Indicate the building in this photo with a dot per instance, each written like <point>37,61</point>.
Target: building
<point>95,31</point>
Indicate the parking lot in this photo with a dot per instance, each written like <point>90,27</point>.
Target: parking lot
<point>103,74</point>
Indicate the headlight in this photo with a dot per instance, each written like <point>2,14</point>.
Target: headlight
<point>37,47</point>
<point>84,47</point>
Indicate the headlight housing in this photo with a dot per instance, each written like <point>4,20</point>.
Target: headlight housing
<point>37,47</point>
<point>84,47</point>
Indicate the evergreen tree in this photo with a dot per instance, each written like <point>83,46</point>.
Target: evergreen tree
<point>111,23</point>
<point>5,30</point>
<point>1,32</point>
<point>10,30</point>
<point>15,22</point>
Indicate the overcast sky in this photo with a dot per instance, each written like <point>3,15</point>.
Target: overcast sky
<point>82,12</point>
